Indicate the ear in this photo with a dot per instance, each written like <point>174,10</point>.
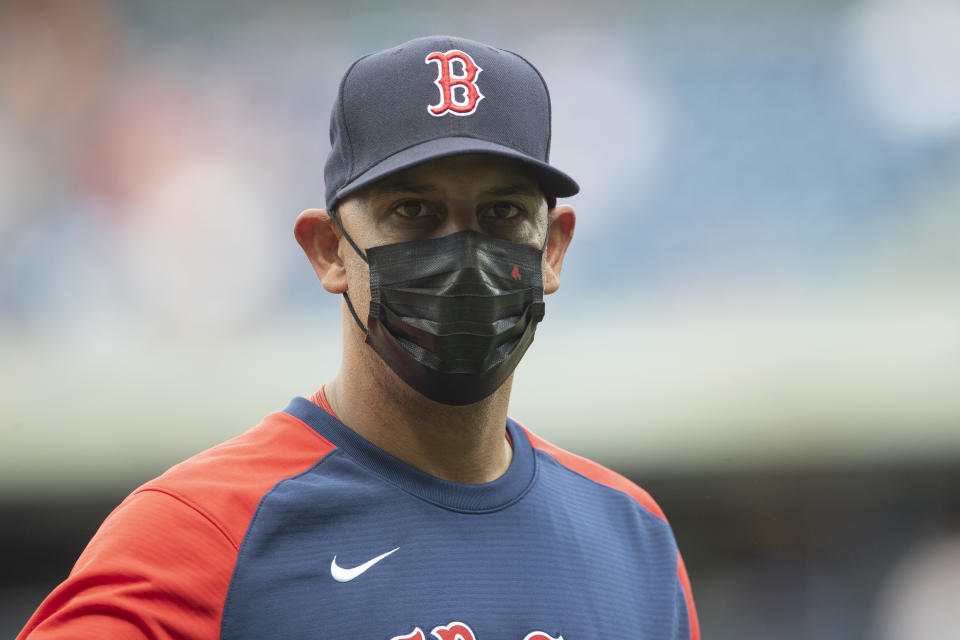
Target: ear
<point>562,221</point>
<point>320,239</point>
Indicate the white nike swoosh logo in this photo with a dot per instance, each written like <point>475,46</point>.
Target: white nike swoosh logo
<point>346,575</point>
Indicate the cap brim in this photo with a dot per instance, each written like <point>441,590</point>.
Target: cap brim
<point>554,182</point>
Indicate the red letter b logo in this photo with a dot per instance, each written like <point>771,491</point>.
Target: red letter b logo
<point>459,94</point>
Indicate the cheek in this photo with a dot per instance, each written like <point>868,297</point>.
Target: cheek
<point>542,225</point>
<point>358,284</point>
<point>536,232</point>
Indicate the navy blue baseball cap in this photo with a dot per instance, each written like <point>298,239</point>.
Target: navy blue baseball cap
<point>435,97</point>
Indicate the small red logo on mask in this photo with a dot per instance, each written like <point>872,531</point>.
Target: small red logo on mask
<point>456,79</point>
<point>515,274</point>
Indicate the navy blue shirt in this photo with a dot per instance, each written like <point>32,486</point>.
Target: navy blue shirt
<point>300,528</point>
<point>541,549</point>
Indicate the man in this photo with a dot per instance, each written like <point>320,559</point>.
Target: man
<point>400,502</point>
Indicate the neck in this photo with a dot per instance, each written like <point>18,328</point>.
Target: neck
<point>462,444</point>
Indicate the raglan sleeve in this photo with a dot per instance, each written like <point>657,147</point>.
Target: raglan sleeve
<point>158,567</point>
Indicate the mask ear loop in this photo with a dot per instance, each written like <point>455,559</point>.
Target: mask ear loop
<point>346,298</point>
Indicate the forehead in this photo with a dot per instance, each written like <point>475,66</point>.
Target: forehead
<point>463,175</point>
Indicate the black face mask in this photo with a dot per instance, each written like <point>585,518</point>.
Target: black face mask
<point>452,316</point>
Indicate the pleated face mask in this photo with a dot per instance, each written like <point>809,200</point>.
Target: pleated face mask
<point>452,316</point>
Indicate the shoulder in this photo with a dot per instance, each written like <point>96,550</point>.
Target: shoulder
<point>596,472</point>
<point>225,483</point>
<point>160,564</point>
<point>688,625</point>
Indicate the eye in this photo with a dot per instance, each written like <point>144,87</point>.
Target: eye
<point>504,210</point>
<point>412,209</point>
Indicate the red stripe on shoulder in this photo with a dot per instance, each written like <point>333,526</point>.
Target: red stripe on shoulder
<point>597,473</point>
<point>688,595</point>
<point>227,482</point>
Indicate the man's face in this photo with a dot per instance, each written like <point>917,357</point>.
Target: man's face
<point>492,195</point>
<point>485,194</point>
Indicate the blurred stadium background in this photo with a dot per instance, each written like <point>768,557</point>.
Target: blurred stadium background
<point>759,319</point>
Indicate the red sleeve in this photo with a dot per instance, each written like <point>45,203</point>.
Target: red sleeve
<point>157,568</point>
<point>161,563</point>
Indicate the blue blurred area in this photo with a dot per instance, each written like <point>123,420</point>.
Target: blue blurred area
<point>748,148</point>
